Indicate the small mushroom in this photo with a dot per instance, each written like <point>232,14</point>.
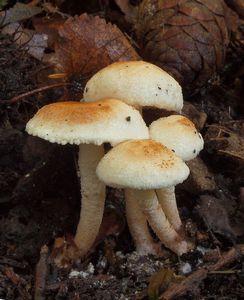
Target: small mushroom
<point>144,166</point>
<point>88,125</point>
<point>140,84</point>
<point>179,134</point>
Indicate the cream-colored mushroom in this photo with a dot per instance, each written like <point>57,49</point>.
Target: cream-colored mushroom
<point>144,166</point>
<point>140,84</point>
<point>179,134</point>
<point>137,83</point>
<point>88,125</point>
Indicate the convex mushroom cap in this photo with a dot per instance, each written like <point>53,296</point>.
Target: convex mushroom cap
<point>137,83</point>
<point>107,120</point>
<point>142,164</point>
<point>179,134</point>
<point>88,125</point>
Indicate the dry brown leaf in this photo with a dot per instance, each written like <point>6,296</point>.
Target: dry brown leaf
<point>215,216</point>
<point>129,10</point>
<point>160,282</point>
<point>34,43</point>
<point>19,12</point>
<point>86,44</point>
<point>221,140</point>
<point>49,26</point>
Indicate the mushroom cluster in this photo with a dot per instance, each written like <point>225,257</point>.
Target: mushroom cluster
<point>143,84</point>
<point>146,162</point>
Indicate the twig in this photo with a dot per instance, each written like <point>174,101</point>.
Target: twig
<point>12,263</point>
<point>18,282</point>
<point>193,280</point>
<point>41,274</point>
<point>30,93</point>
<point>225,272</point>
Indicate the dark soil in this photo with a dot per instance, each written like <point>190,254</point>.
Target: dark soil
<point>40,200</point>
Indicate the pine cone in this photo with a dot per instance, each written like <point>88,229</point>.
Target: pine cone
<point>187,38</point>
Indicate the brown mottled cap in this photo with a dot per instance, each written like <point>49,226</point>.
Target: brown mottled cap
<point>108,120</point>
<point>142,164</point>
<point>179,134</point>
<point>137,83</point>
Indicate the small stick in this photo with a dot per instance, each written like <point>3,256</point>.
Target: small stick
<point>18,282</point>
<point>225,272</point>
<point>193,280</point>
<point>30,93</point>
<point>41,274</point>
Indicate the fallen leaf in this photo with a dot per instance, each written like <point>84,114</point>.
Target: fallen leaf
<point>129,10</point>
<point>34,43</point>
<point>201,179</point>
<point>160,281</point>
<point>215,216</point>
<point>226,145</point>
<point>49,26</point>
<point>64,252</point>
<point>19,12</point>
<point>86,44</point>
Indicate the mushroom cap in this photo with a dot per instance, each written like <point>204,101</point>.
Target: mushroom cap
<point>108,120</point>
<point>179,134</point>
<point>142,164</point>
<point>137,83</point>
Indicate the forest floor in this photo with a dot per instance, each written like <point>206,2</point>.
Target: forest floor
<point>40,196</point>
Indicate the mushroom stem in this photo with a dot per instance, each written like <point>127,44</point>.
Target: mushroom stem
<point>166,198</point>
<point>158,221</point>
<point>138,226</point>
<point>93,197</point>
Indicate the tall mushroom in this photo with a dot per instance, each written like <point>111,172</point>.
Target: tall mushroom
<point>145,165</point>
<point>140,84</point>
<point>88,125</point>
<point>179,134</point>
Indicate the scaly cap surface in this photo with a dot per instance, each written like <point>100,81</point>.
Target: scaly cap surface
<point>137,83</point>
<point>142,164</point>
<point>178,133</point>
<point>108,120</point>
